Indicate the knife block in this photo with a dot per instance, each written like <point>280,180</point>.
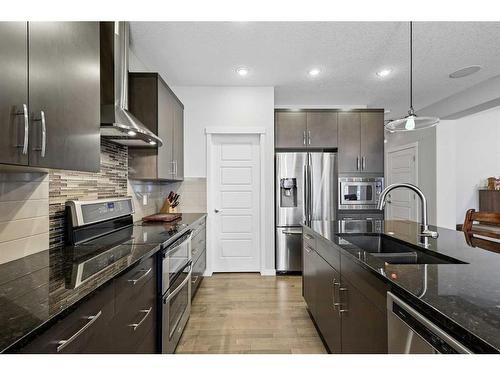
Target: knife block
<point>167,209</point>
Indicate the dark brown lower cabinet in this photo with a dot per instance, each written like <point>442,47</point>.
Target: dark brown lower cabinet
<point>85,330</point>
<point>308,277</point>
<point>349,313</point>
<point>327,316</point>
<point>364,326</point>
<point>119,317</point>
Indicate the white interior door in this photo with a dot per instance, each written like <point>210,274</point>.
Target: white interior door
<point>235,195</point>
<point>402,167</point>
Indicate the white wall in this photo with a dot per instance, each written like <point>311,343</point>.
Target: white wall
<point>230,107</point>
<point>468,153</point>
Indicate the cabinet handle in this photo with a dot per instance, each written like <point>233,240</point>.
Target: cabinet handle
<point>357,163</point>
<point>291,232</point>
<point>308,249</point>
<point>364,163</point>
<point>344,310</point>
<point>194,280</point>
<point>308,236</point>
<point>304,137</point>
<point>137,325</point>
<point>44,134</point>
<point>194,252</point>
<point>135,281</point>
<point>24,113</point>
<point>91,320</point>
<point>175,168</point>
<point>309,137</point>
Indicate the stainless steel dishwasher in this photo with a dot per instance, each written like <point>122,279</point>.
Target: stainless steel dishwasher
<point>409,332</point>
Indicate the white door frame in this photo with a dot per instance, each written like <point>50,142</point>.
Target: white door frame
<point>211,131</point>
<point>400,148</point>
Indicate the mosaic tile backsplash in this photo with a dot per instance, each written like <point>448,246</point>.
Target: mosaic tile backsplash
<point>111,181</point>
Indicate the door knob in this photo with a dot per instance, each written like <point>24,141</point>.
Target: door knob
<point>216,211</point>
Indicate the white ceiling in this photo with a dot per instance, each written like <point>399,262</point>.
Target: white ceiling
<point>349,54</point>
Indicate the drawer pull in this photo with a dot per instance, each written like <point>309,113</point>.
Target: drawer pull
<point>91,320</point>
<point>194,280</point>
<point>146,312</point>
<point>308,249</point>
<point>308,236</point>
<point>291,232</point>
<point>135,281</point>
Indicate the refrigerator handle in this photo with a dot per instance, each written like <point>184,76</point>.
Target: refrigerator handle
<point>306,212</point>
<point>309,190</point>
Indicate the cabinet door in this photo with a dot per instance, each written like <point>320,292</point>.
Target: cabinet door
<point>309,277</point>
<point>322,129</point>
<point>364,325</point>
<point>64,97</point>
<point>372,142</point>
<point>291,129</point>
<point>14,92</point>
<point>165,132</point>
<point>349,142</point>
<point>178,146</point>
<point>327,318</point>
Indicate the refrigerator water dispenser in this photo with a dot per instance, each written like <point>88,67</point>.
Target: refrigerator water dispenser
<point>288,192</point>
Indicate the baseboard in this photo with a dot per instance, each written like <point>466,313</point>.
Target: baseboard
<point>268,272</point>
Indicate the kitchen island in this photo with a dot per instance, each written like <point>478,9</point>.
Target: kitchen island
<point>454,285</point>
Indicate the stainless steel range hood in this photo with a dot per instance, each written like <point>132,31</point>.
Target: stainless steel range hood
<point>117,123</point>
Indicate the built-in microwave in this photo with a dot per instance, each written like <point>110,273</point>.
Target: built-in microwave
<point>359,193</point>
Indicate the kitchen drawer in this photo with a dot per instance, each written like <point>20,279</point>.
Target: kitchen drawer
<point>85,330</point>
<point>129,286</point>
<point>328,252</point>
<point>131,326</point>
<point>197,247</point>
<point>199,268</point>
<point>369,285</point>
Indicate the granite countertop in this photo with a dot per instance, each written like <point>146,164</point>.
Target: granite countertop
<point>37,288</point>
<point>465,296</point>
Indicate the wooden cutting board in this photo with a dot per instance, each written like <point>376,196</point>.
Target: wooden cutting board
<point>162,217</point>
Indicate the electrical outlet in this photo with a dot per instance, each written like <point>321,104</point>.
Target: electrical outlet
<point>145,200</point>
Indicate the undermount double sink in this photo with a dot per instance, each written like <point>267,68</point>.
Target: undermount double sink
<point>393,251</point>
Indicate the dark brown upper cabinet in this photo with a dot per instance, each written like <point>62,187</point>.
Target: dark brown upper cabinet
<point>50,109</point>
<point>14,116</point>
<point>306,129</point>
<point>361,141</point>
<point>155,104</point>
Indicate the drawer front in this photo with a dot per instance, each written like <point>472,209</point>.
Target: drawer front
<point>198,244</point>
<point>129,285</point>
<point>328,252</point>
<point>135,306</point>
<point>135,319</point>
<point>369,285</point>
<point>148,344</point>
<point>198,270</point>
<point>84,330</point>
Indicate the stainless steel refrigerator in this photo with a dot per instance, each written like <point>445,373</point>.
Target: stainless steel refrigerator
<point>306,189</point>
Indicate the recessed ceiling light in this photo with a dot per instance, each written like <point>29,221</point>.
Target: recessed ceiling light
<point>384,73</point>
<point>464,72</point>
<point>131,133</point>
<point>314,72</point>
<point>242,71</point>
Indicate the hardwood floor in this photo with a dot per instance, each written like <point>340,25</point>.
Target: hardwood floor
<point>249,313</point>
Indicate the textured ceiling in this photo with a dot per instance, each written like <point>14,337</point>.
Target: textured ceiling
<point>349,54</point>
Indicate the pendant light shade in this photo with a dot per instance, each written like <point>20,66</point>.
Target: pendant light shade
<point>412,121</point>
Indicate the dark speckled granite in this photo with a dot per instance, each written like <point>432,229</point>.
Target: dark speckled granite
<point>463,296</point>
<point>36,289</point>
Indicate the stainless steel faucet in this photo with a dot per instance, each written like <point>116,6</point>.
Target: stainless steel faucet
<point>425,232</point>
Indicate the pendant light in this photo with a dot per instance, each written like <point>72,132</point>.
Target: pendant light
<point>412,121</point>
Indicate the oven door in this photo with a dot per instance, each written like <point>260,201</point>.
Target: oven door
<point>176,309</point>
<point>358,193</point>
<point>175,257</point>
